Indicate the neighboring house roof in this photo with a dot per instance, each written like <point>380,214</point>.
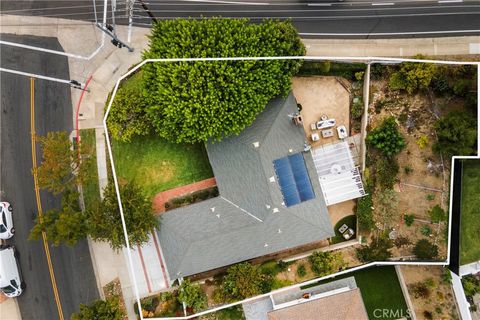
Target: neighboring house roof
<point>249,218</point>
<point>340,306</point>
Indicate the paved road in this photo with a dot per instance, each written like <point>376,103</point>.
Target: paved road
<point>72,266</point>
<point>320,18</point>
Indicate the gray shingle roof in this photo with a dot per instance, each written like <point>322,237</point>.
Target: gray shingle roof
<point>241,223</point>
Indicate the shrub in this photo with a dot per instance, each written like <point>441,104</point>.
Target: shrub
<point>387,171</point>
<point>192,295</point>
<point>401,241</point>
<point>430,197</point>
<point>244,280</point>
<point>437,214</point>
<point>420,290</point>
<point>409,219</point>
<point>387,138</point>
<point>378,250</point>
<point>100,309</point>
<point>408,169</point>
<point>413,76</point>
<point>425,250</point>
<point>428,315</point>
<point>359,75</point>
<point>322,263</point>
<point>270,268</point>
<point>282,265</point>
<point>357,108</point>
<point>301,271</point>
<point>365,212</point>
<point>457,134</point>
<point>426,230</point>
<point>422,142</point>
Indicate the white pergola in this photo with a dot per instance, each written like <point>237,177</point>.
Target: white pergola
<point>339,179</point>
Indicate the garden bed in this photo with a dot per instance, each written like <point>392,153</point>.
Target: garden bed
<point>191,198</point>
<point>164,304</point>
<point>91,190</point>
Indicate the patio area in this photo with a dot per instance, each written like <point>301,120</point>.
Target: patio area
<point>322,96</point>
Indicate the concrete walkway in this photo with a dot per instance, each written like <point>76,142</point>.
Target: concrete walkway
<point>161,198</point>
<point>9,309</point>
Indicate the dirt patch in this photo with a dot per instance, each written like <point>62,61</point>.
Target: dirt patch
<point>438,298</point>
<point>341,210</point>
<point>113,289</point>
<point>322,96</point>
<point>161,172</point>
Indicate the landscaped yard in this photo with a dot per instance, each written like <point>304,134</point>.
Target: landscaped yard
<point>470,222</point>
<point>380,290</point>
<point>157,165</point>
<point>91,192</point>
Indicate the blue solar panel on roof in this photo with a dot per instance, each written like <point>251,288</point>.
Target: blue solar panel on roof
<point>293,179</point>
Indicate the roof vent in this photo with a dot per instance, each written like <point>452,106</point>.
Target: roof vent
<point>272,179</point>
<point>283,203</point>
<point>213,209</point>
<point>265,245</point>
<point>268,206</point>
<point>290,150</point>
<point>218,215</point>
<point>279,230</point>
<point>275,210</point>
<point>256,144</point>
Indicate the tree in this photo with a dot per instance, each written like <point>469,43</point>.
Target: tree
<point>322,263</point>
<point>100,310</point>
<point>378,250</point>
<point>437,214</point>
<point>425,250</point>
<point>192,295</point>
<point>387,171</point>
<point>243,280</point>
<point>197,101</point>
<point>387,138</point>
<point>104,220</point>
<point>413,76</point>
<point>66,225</point>
<point>457,134</point>
<point>127,117</point>
<point>61,169</point>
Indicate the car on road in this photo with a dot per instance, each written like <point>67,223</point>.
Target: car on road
<point>11,283</point>
<point>6,221</point>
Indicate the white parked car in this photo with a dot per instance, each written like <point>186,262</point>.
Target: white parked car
<point>6,221</point>
<point>11,283</point>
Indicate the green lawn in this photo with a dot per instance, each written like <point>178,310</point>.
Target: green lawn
<point>157,165</point>
<point>470,219</point>
<point>380,289</point>
<point>91,192</point>
<point>350,221</point>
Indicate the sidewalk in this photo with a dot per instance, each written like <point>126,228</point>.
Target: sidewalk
<point>9,309</point>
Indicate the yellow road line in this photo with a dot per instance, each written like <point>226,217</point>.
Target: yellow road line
<point>37,195</point>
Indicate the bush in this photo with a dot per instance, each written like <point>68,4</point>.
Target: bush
<point>401,241</point>
<point>387,172</point>
<point>413,76</point>
<point>426,230</point>
<point>430,197</point>
<point>192,295</point>
<point>357,108</point>
<point>428,315</point>
<point>345,70</point>
<point>378,250</point>
<point>365,212</point>
<point>420,290</point>
<point>200,101</point>
<point>270,268</point>
<point>425,250</point>
<point>315,68</point>
<point>322,263</point>
<point>244,280</point>
<point>409,219</point>
<point>437,214</point>
<point>387,138</point>
<point>408,169</point>
<point>301,271</point>
<point>457,134</point>
<point>100,309</point>
<point>422,142</point>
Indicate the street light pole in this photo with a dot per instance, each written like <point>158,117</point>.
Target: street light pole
<point>109,30</point>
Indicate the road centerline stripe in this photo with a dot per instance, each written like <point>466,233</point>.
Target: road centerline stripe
<point>37,196</point>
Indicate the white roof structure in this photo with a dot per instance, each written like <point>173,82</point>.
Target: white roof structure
<point>339,178</point>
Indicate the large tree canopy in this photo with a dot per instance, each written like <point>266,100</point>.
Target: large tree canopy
<point>196,101</point>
